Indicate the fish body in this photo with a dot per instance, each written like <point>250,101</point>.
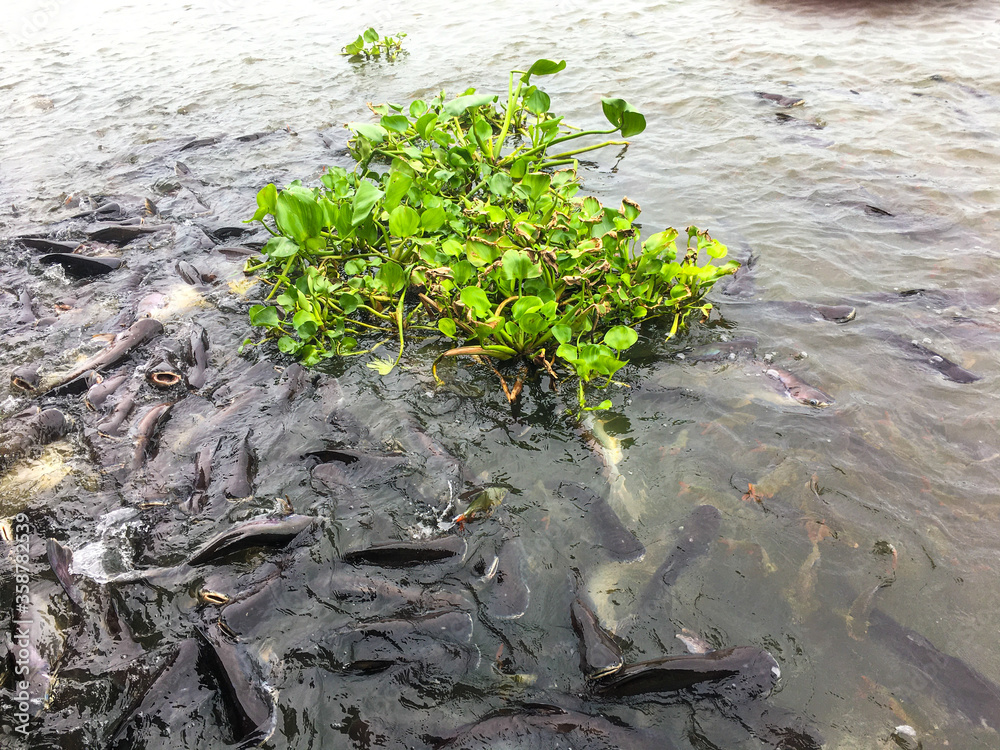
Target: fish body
<point>800,390</point>
<point>600,656</point>
<point>405,553</point>
<point>261,532</point>
<point>620,543</point>
<point>722,350</point>
<point>137,334</point>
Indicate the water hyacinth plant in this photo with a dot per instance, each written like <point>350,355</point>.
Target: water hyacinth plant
<point>463,219</point>
<point>369,45</point>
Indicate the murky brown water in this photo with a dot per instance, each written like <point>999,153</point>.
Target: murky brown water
<point>886,178</point>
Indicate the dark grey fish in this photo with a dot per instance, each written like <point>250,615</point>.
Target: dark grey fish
<point>348,587</point>
<point>949,679</point>
<point>800,390</point>
<point>813,311</point>
<point>252,136</point>
<point>599,653</point>
<point>21,432</point>
<point>741,283</point>
<point>780,100</point>
<point>722,350</point>
<point>99,392</point>
<point>61,560</point>
<point>191,274</point>
<point>200,142</point>
<point>249,704</point>
<point>26,312</point>
<point>47,245</point>
<point>946,367</point>
<point>112,426</point>
<point>111,207</point>
<point>509,593</point>
<point>202,479</point>
<point>122,234</point>
<point>544,727</point>
<point>154,692</point>
<point>25,378</point>
<point>237,252</point>
<point>260,532</point>
<point>404,554</point>
<point>146,430</point>
<point>76,386</point>
<point>240,482</point>
<point>694,537</point>
<point>746,672</point>
<point>82,266</point>
<point>162,372</point>
<point>198,356</point>
<point>354,469</point>
<point>620,543</point>
<point>138,333</point>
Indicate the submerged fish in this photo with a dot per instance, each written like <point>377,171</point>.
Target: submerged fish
<point>600,655</point>
<point>620,543</point>
<point>800,390</point>
<point>83,266</point>
<point>139,333</point>
<point>405,553</point>
<point>19,433</point>
<point>509,592</point>
<point>746,673</point>
<point>721,350</point>
<point>260,532</point>
<point>240,483</point>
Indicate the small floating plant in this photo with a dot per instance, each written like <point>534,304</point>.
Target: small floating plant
<point>372,46</point>
<point>462,219</point>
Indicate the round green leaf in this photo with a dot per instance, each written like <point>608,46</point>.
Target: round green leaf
<point>404,221</point>
<point>447,327</point>
<point>264,315</point>
<point>475,298</point>
<point>562,333</point>
<point>620,337</point>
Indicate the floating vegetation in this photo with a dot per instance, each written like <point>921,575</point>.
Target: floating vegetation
<point>370,45</point>
<point>462,220</point>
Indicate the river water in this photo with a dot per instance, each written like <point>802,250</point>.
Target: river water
<point>885,179</point>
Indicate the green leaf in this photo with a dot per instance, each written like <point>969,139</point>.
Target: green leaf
<point>355,266</point>
<point>480,253</point>
<point>621,114</point>
<point>459,104</point>
<point>365,198</point>
<point>536,183</point>
<point>425,123</point>
<point>543,68</point>
<point>374,133</point>
<point>517,265</point>
<point>525,305</point>
<point>288,345</point>
<point>562,333</point>
<point>391,277</point>
<point>568,352</point>
<point>433,219</point>
<point>462,271</point>
<point>475,298</point>
<point>404,221</point>
<point>395,123</point>
<point>399,184</point>
<point>266,199</point>
<point>305,324</point>
<point>297,214</point>
<point>280,247</point>
<point>500,184</point>
<point>532,323</point>
<point>620,337</point>
<point>264,315</point>
<point>382,366</point>
<point>417,108</point>
<point>349,303</point>
<point>538,102</point>
<point>447,327</point>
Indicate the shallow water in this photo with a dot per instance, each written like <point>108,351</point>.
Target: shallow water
<point>886,179</point>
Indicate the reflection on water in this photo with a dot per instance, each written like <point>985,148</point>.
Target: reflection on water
<point>883,180</point>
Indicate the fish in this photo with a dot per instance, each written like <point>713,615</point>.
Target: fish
<point>509,593</point>
<point>82,266</point>
<point>406,553</point>
<point>26,312</point>
<point>348,468</point>
<point>61,560</point>
<point>202,478</point>
<point>612,535</point>
<point>162,372</point>
<point>146,429</point>
<point>198,356</point>
<point>25,378</point>
<point>259,532</point>
<point>600,655</point>
<point>721,350</point>
<point>112,426</point>
<point>189,273</point>
<point>47,245</point>
<point>249,702</point>
<point>799,390</point>
<point>781,100</point>
<point>99,392</point>
<point>137,334</point>
<point>122,234</point>
<point>696,534</point>
<point>76,386</point>
<point>34,426</point>
<point>537,726</point>
<point>240,482</point>
<point>946,367</point>
<point>957,685</point>
<point>746,672</point>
